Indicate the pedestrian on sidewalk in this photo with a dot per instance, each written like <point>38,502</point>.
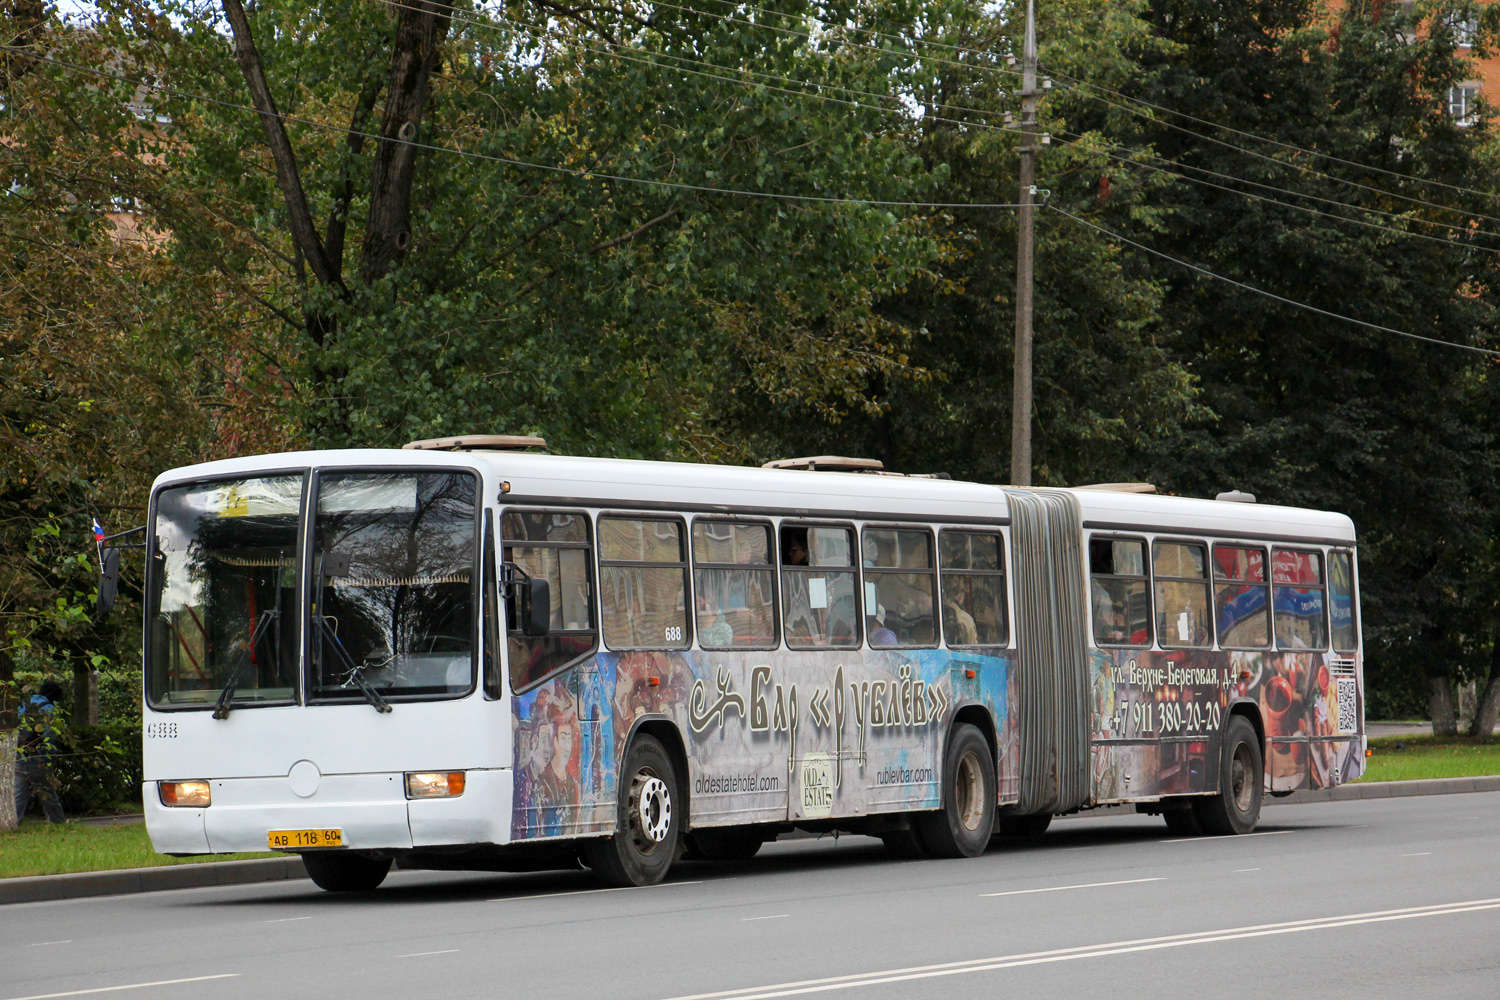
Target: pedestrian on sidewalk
<point>36,746</point>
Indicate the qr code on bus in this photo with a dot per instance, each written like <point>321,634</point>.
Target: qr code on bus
<point>1348,711</point>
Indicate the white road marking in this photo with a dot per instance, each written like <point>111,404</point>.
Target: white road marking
<point>128,986</point>
<point>590,892</point>
<point>1238,870</point>
<point>1419,854</point>
<point>285,920</point>
<point>1092,951</point>
<point>424,954</point>
<point>1227,836</point>
<point>43,944</point>
<point>774,916</point>
<point>1060,888</point>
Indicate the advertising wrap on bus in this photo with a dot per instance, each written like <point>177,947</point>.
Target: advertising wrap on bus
<point>868,729</point>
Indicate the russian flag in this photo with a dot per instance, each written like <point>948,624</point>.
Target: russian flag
<point>98,531</point>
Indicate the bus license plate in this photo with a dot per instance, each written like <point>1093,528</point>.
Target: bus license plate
<point>291,840</point>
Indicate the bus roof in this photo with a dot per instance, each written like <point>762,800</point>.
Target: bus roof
<point>621,483</point>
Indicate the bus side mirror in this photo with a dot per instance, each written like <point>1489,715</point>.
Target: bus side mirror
<point>109,583</point>
<point>536,607</point>
<point>531,601</point>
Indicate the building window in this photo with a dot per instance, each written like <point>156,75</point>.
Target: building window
<point>1465,28</point>
<point>1462,101</point>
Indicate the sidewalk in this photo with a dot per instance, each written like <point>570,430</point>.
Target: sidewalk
<point>215,873</point>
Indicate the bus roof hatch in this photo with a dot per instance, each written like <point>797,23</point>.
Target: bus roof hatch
<point>478,442</point>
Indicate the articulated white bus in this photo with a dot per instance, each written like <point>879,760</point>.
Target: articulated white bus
<point>463,656</point>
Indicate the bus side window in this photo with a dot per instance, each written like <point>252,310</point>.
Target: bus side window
<point>1182,618</point>
<point>1297,586</point>
<point>553,546</point>
<point>819,602</point>
<point>1341,601</point>
<point>900,588</point>
<point>734,584</point>
<point>643,583</point>
<point>973,588</point>
<point>1241,599</point>
<point>1118,587</point>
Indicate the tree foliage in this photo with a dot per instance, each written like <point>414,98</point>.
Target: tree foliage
<point>729,232</point>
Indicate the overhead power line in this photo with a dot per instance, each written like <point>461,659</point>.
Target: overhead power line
<point>1272,295</point>
<point>580,173</point>
<point>498,21</point>
<point>1080,143</point>
<point>1291,147</point>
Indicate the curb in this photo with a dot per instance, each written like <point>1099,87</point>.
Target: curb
<point>212,873</point>
<point>1390,790</point>
<point>130,880</point>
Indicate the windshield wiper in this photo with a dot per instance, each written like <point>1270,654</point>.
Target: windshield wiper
<point>356,672</point>
<point>226,696</point>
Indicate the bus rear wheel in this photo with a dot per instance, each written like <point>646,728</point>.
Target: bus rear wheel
<point>339,872</point>
<point>648,823</point>
<point>1242,781</point>
<point>961,829</point>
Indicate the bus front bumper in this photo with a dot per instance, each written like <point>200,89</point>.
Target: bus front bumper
<point>370,811</point>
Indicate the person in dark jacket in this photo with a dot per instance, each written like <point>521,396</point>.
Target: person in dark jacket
<point>36,744</point>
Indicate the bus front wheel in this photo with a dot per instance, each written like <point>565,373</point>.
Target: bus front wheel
<point>340,872</point>
<point>1242,780</point>
<point>961,829</point>
<point>648,824</point>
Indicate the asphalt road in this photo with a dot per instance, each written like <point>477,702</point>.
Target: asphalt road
<point>1383,898</point>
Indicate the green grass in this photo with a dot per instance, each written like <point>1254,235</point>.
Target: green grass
<point>1408,758</point>
<point>39,848</point>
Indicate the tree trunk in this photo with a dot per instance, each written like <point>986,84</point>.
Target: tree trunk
<point>8,721</point>
<point>1487,711</point>
<point>1440,706</point>
<point>8,818</point>
<point>421,27</point>
<point>288,179</point>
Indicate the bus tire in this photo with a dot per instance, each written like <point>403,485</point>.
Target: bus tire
<point>1023,827</point>
<point>903,844</point>
<point>1184,821</point>
<point>648,822</point>
<point>724,845</point>
<point>962,827</point>
<point>340,872</point>
<point>1242,780</point>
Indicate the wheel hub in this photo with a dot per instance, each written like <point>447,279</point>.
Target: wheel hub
<point>968,785</point>
<point>651,812</point>
<point>1240,770</point>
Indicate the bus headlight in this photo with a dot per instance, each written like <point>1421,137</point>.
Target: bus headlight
<point>184,793</point>
<point>434,784</point>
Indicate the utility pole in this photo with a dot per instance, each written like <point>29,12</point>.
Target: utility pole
<point>1020,421</point>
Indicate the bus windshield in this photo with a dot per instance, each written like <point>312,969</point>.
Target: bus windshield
<point>223,592</point>
<point>393,596</point>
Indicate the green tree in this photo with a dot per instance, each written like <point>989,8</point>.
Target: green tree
<point>1305,409</point>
